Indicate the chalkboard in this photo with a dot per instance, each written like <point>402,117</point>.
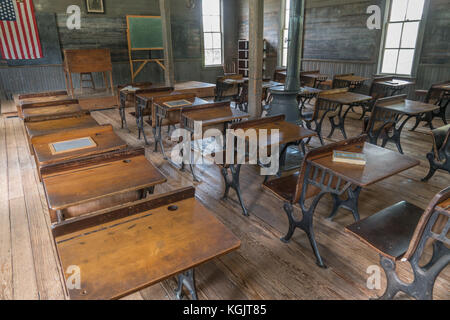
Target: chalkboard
<point>48,35</point>
<point>145,32</point>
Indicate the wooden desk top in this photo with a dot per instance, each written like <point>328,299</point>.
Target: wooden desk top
<point>41,128</point>
<point>187,85</point>
<point>194,102</point>
<point>39,99</point>
<point>215,115</point>
<point>353,78</point>
<point>74,187</point>
<point>346,98</point>
<point>381,164</point>
<point>288,132</point>
<point>98,103</point>
<point>201,89</point>
<point>103,136</point>
<point>410,107</point>
<point>399,83</point>
<point>51,113</point>
<point>120,257</point>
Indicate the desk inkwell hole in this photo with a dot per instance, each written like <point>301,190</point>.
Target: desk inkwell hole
<point>126,161</point>
<point>172,208</point>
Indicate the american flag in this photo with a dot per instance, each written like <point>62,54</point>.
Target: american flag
<point>19,34</point>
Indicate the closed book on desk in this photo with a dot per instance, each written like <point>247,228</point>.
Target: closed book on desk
<point>349,157</point>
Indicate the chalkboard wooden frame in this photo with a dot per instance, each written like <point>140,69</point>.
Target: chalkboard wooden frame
<point>143,62</point>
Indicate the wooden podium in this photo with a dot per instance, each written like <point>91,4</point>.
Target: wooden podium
<point>87,61</point>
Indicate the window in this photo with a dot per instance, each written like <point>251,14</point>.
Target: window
<point>212,32</point>
<point>285,33</point>
<point>402,30</point>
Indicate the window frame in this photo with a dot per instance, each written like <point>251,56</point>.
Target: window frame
<point>204,65</point>
<point>282,28</point>
<point>419,41</point>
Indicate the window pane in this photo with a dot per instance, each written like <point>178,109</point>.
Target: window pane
<point>405,61</point>
<point>209,58</point>
<point>415,9</point>
<point>211,7</point>
<point>398,10</point>
<point>208,40</point>
<point>217,56</point>
<point>389,61</point>
<point>285,38</point>
<point>284,57</point>
<point>207,23</point>
<point>217,41</point>
<point>409,36</point>
<point>393,35</point>
<point>286,20</point>
<point>215,23</point>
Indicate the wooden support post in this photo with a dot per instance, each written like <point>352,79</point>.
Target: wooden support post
<point>256,51</point>
<point>169,76</point>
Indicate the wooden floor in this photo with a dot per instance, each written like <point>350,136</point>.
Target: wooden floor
<point>263,268</point>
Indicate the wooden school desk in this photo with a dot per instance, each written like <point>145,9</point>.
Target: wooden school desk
<point>87,61</point>
<point>42,128</point>
<point>74,144</point>
<point>40,97</point>
<point>320,175</point>
<point>289,134</point>
<point>399,112</point>
<point>344,98</point>
<point>81,186</point>
<point>53,112</point>
<point>131,247</point>
<point>166,115</point>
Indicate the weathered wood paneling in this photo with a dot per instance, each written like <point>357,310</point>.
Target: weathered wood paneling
<point>337,30</point>
<point>436,42</point>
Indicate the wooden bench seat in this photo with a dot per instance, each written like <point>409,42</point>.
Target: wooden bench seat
<point>389,231</point>
<point>401,232</point>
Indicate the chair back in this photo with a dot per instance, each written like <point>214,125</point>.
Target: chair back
<point>338,83</point>
<point>173,117</point>
<point>435,94</point>
<point>144,98</point>
<point>229,68</point>
<point>441,142</point>
<point>380,117</point>
<point>434,224</point>
<point>226,90</point>
<point>277,76</point>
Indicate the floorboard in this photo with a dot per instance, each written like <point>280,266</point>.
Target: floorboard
<point>263,268</point>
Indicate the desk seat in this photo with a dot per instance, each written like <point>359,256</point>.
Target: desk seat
<point>389,231</point>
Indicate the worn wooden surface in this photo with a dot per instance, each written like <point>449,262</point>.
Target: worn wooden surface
<point>380,164</point>
<point>75,187</point>
<point>144,249</point>
<point>264,267</point>
<point>200,89</point>
<point>103,136</point>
